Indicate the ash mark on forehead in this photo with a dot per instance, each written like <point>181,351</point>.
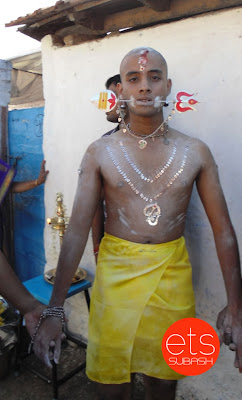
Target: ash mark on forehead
<point>143,59</point>
<point>142,53</point>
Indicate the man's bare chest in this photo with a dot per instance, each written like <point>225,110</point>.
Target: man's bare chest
<point>150,181</point>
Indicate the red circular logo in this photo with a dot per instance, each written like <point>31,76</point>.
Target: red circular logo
<point>190,346</point>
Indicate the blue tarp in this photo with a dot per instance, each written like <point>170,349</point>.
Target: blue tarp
<point>25,141</point>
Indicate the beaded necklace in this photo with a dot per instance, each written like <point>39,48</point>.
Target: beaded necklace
<point>155,133</point>
<point>160,170</point>
<point>152,211</point>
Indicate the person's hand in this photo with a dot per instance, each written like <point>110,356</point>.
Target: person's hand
<point>235,322</point>
<point>47,343</point>
<point>225,333</point>
<point>42,174</point>
<point>32,317</point>
<point>230,330</point>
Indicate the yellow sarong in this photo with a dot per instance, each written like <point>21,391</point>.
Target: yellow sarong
<point>138,292</point>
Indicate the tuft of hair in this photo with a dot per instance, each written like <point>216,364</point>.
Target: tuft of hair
<point>114,79</point>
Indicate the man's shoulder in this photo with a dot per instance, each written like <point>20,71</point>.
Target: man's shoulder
<point>199,146</point>
<point>193,142</point>
<point>200,154</point>
<point>98,146</point>
<point>111,131</point>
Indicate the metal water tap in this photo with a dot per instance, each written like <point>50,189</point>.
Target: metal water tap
<point>60,222</point>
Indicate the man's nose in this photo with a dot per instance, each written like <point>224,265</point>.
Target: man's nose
<point>144,85</point>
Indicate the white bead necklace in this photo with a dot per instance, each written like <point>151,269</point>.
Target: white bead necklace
<point>160,170</point>
<point>152,211</point>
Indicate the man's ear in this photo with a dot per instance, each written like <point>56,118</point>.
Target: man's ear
<point>169,85</point>
<point>119,88</point>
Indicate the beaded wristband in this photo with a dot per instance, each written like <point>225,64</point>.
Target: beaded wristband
<point>48,312</point>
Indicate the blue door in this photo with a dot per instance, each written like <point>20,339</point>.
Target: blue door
<point>25,129</point>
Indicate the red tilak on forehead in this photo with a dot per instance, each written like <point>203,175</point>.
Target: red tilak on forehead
<point>143,59</point>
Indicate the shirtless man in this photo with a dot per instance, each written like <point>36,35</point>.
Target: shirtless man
<point>111,84</point>
<point>99,217</point>
<point>143,280</point>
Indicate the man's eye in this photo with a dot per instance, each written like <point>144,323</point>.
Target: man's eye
<point>155,78</point>
<point>133,79</point>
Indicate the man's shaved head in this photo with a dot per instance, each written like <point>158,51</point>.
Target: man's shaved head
<point>141,52</point>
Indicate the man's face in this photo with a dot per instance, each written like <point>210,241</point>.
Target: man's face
<point>144,88</point>
<point>112,116</point>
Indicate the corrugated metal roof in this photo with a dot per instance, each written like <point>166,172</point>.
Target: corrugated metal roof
<point>27,85</point>
<point>28,63</point>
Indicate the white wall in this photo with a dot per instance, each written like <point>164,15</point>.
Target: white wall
<point>204,55</point>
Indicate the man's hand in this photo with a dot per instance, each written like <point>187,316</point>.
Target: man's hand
<point>32,317</point>
<point>42,174</point>
<point>225,334</point>
<point>230,330</point>
<point>47,343</point>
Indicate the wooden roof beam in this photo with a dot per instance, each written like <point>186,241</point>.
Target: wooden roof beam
<point>91,4</point>
<point>156,5</point>
<point>60,8</point>
<point>88,19</point>
<point>79,29</point>
<point>94,23</point>
<point>144,16</point>
<point>53,13</point>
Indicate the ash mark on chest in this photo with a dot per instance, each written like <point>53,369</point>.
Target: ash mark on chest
<point>120,184</point>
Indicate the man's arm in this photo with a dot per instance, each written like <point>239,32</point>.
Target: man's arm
<point>13,291</point>
<point>19,187</point>
<point>225,333</point>
<point>98,227</point>
<point>86,199</point>
<point>212,197</point>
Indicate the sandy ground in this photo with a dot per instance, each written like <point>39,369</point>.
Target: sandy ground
<point>24,385</point>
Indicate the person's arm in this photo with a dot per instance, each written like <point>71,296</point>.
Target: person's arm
<point>86,199</point>
<point>19,187</point>
<point>225,334</point>
<point>98,227</point>
<point>212,197</point>
<point>15,293</point>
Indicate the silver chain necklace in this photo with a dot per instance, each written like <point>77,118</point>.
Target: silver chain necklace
<point>160,170</point>
<point>155,133</point>
<point>151,211</point>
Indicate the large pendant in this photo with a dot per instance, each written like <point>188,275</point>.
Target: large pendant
<point>142,144</point>
<point>152,212</point>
